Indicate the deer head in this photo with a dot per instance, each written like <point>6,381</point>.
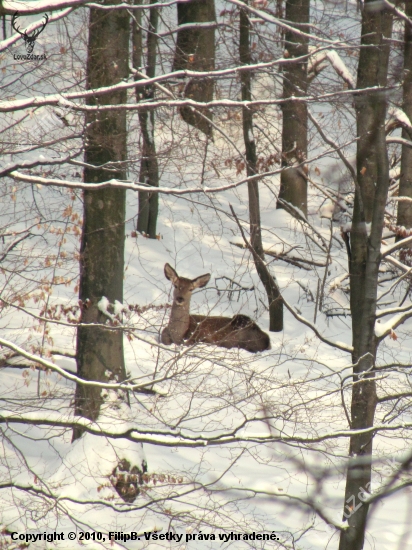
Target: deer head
<point>183,287</point>
<point>29,40</point>
<point>179,320</point>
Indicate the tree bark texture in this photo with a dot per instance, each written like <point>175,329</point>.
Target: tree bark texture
<point>149,169</point>
<point>405,183</point>
<point>371,190</point>
<point>195,51</point>
<point>272,291</point>
<point>100,350</point>
<point>293,182</point>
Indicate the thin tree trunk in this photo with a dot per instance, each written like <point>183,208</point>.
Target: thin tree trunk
<point>100,350</point>
<point>370,199</point>
<point>195,51</point>
<point>272,291</point>
<point>149,170</point>
<point>293,182</point>
<point>405,183</point>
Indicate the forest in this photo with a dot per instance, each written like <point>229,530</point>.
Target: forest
<point>206,274</point>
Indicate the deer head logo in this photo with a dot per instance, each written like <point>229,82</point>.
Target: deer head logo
<point>29,40</point>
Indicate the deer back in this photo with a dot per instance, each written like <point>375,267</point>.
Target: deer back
<point>238,331</point>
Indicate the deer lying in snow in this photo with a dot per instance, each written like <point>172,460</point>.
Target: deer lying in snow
<point>238,331</point>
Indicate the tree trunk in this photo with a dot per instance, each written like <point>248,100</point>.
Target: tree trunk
<point>293,182</point>
<point>405,184</point>
<point>272,291</point>
<point>149,170</point>
<point>195,51</point>
<point>100,350</point>
<point>370,201</point>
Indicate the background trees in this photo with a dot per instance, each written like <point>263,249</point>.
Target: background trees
<point>234,442</point>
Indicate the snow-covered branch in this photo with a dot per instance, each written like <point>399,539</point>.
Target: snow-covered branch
<point>41,160</point>
<point>179,437</point>
<point>387,250</point>
<point>282,24</point>
<point>126,385</point>
<point>136,187</point>
<point>338,345</point>
<point>65,100</point>
<point>383,329</point>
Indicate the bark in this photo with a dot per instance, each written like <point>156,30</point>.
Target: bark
<point>195,51</point>
<point>293,182</point>
<point>370,199</point>
<point>149,169</point>
<point>405,183</point>
<point>100,350</point>
<point>272,291</point>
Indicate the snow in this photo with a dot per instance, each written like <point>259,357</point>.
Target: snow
<point>215,462</point>
<point>397,114</point>
<point>103,305</point>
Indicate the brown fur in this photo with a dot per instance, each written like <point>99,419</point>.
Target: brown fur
<point>238,331</point>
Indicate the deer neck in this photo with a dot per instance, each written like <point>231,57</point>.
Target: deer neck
<point>179,322</point>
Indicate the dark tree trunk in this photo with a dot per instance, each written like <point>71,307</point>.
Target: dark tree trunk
<point>293,182</point>
<point>195,51</point>
<point>272,291</point>
<point>370,200</point>
<point>405,184</point>
<point>100,350</point>
<point>149,170</point>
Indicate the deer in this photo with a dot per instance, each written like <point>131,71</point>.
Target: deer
<point>29,40</point>
<point>239,331</point>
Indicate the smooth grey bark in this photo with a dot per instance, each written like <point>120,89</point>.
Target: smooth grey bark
<point>195,51</point>
<point>371,193</point>
<point>274,298</point>
<point>293,182</point>
<point>100,350</point>
<point>149,169</point>
<point>405,182</point>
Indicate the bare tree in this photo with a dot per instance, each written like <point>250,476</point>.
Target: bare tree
<point>405,182</point>
<point>149,169</point>
<point>272,291</point>
<point>293,182</point>
<point>195,50</point>
<point>371,192</point>
<point>100,350</point>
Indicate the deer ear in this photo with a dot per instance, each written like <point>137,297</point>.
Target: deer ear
<point>201,281</point>
<point>170,273</point>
